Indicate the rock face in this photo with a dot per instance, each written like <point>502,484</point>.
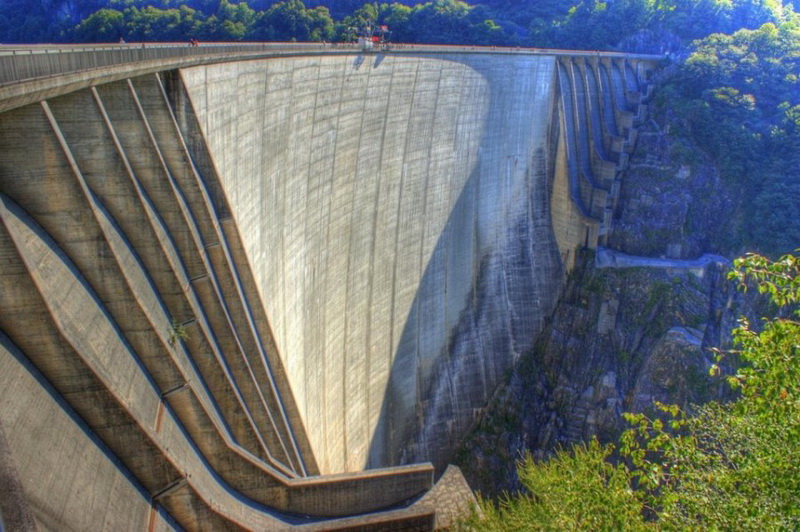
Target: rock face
<point>671,207</point>
<point>619,339</point>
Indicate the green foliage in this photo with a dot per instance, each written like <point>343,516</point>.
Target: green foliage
<point>147,23</point>
<point>736,465</point>
<point>736,98</point>
<point>177,332</point>
<point>575,490</point>
<point>582,24</point>
<point>231,22</point>
<point>290,20</point>
<point>103,25</point>
<point>778,278</point>
<point>719,469</point>
<point>440,21</point>
<point>601,25</point>
<point>728,466</point>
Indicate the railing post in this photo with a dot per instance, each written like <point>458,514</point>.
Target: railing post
<point>14,65</point>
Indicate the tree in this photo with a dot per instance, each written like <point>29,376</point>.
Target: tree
<point>396,16</point>
<point>580,489</point>
<point>152,24</point>
<point>231,22</point>
<point>735,465</point>
<point>730,98</point>
<point>105,25</point>
<point>289,20</point>
<point>440,22</point>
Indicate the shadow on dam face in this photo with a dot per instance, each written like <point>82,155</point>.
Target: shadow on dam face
<point>483,297</point>
<point>433,396</point>
<point>396,218</point>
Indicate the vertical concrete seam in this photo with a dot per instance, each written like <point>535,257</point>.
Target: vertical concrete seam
<point>324,421</point>
<point>418,410</point>
<point>390,436</point>
<point>348,269</point>
<point>283,244</point>
<point>306,349</point>
<point>325,376</point>
<point>368,336</point>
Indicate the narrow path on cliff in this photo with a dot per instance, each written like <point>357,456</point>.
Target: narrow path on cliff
<point>609,258</point>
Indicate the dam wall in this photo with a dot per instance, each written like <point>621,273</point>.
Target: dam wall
<point>223,282</point>
<point>403,228</point>
<point>371,193</point>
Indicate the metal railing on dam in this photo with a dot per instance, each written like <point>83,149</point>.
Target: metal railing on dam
<point>27,62</point>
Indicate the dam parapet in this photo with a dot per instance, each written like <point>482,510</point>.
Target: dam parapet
<point>248,282</point>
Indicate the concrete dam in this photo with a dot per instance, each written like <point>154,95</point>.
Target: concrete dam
<point>250,287</point>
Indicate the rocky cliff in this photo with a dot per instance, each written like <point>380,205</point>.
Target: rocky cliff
<point>635,322</point>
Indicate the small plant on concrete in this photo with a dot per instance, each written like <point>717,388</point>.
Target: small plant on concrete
<point>177,331</point>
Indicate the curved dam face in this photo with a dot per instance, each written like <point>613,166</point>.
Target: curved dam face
<point>395,213</point>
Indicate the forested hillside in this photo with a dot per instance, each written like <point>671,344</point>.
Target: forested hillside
<point>652,25</point>
<point>736,98</point>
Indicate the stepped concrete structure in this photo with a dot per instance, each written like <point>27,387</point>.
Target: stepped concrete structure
<point>249,287</point>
